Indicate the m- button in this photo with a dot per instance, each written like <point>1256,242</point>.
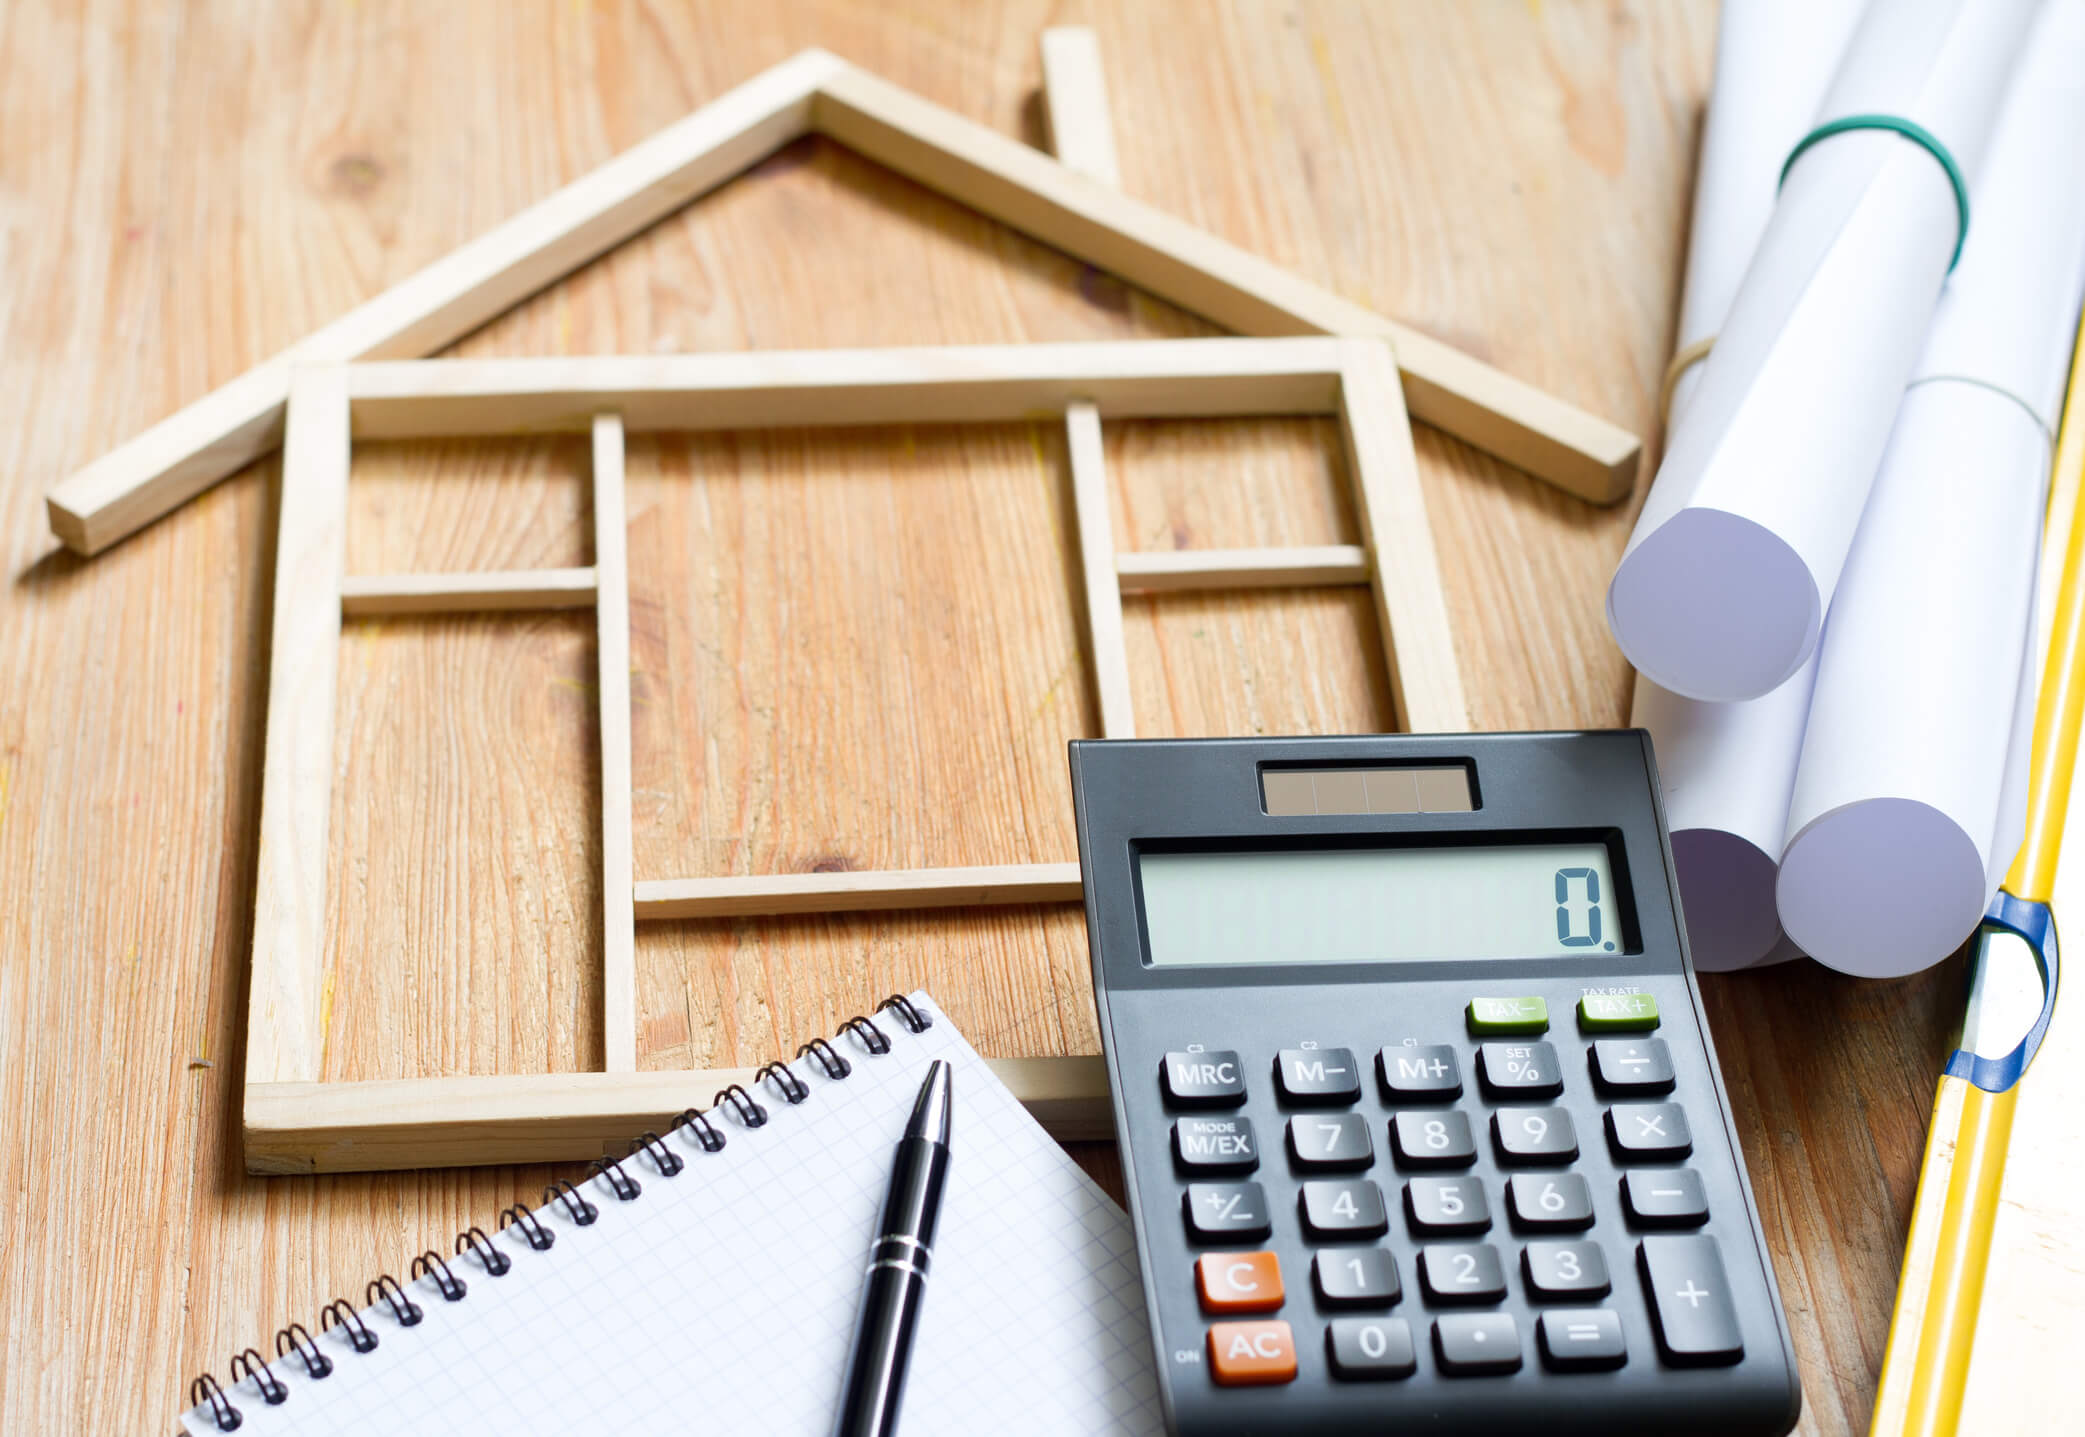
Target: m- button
<point>1238,1282</point>
<point>1318,1076</point>
<point>1252,1354</point>
<point>1213,1079</point>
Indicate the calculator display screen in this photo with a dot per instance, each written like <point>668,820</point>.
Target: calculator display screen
<point>1362,905</point>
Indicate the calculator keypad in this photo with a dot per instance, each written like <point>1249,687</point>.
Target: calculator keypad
<point>1480,1184</point>
<point>1226,1212</point>
<point>1326,1077</point>
<point>1331,1142</point>
<point>1356,1277</point>
<point>1433,1139</point>
<point>1343,1211</point>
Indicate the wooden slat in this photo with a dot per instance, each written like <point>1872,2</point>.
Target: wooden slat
<point>864,891</point>
<point>1170,571</point>
<point>372,595</point>
<point>1199,272</point>
<point>1418,641</point>
<point>1180,378</point>
<point>285,1041</point>
<point>612,627</point>
<point>1075,97</point>
<point>562,1117</point>
<point>1089,487</point>
<point>188,451</point>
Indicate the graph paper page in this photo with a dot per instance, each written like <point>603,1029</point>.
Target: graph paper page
<point>722,1299</point>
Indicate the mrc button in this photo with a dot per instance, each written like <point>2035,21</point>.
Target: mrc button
<point>1216,1145</point>
<point>1212,1079</point>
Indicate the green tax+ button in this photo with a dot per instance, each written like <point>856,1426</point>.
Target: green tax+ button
<point>1508,1015</point>
<point>1617,1012</point>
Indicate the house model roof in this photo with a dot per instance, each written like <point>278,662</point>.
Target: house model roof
<point>816,92</point>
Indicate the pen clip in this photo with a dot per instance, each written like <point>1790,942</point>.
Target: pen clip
<point>2013,954</point>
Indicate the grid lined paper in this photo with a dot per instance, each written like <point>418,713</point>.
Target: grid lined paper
<point>722,1299</point>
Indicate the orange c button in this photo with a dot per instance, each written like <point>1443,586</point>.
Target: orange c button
<point>1238,1281</point>
<point>1252,1354</point>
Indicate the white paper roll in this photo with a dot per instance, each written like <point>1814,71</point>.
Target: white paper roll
<point>1722,591</point>
<point>1727,769</point>
<point>1910,795</point>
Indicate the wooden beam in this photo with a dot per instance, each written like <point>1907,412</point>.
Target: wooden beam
<point>1199,272</point>
<point>562,1117</point>
<point>869,890</point>
<point>1089,489</point>
<point>612,626</point>
<point>374,595</point>
<point>1411,608</point>
<point>192,449</point>
<point>1171,571</point>
<point>1075,99</point>
<point>1171,378</point>
<point>285,1012</point>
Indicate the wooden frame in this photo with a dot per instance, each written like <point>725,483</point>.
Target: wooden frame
<point>1078,212</point>
<point>294,1122</point>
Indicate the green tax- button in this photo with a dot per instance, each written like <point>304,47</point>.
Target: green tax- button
<point>1617,1012</point>
<point>1508,1015</point>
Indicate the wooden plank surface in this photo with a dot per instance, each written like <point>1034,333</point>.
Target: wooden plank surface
<point>850,649</point>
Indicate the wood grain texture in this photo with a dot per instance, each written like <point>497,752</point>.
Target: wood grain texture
<point>186,190</point>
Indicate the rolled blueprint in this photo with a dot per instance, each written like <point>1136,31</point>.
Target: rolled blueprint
<point>1727,769</point>
<point>1723,589</point>
<point>1910,797</point>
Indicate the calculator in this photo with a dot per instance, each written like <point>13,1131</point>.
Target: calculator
<point>1421,1123</point>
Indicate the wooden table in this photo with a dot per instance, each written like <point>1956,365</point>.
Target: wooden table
<point>850,648</point>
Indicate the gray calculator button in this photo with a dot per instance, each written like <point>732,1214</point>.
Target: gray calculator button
<point>1215,1145</point>
<point>1534,1135</point>
<point>1211,1079</point>
<point>1428,1074</point>
<point>1581,1339</point>
<point>1565,1270</point>
<point>1550,1201</point>
<point>1690,1300</point>
<point>1644,1131</point>
<point>1632,1065</point>
<point>1665,1197</point>
<point>1356,1277</point>
<point>1519,1070</point>
<point>1226,1212</point>
<point>1461,1272</point>
<point>1446,1205</point>
<point>1438,1138</point>
<point>1370,1349</point>
<point>1325,1077</point>
<point>1343,1211</point>
<point>1331,1142</point>
<point>1473,1344</point>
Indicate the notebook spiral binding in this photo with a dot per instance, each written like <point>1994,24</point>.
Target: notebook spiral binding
<point>295,1342</point>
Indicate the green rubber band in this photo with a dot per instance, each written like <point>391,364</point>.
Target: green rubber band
<point>1919,135</point>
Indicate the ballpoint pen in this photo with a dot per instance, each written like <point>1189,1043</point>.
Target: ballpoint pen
<point>2012,996</point>
<point>896,1281</point>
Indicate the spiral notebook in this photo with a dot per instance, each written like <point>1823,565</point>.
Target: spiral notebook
<point>708,1283</point>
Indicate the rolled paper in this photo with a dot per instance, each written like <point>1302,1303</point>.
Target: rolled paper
<point>1909,798</point>
<point>1728,768</point>
<point>1722,591</point>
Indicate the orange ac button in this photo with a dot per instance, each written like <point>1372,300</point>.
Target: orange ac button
<point>1252,1354</point>
<point>1238,1281</point>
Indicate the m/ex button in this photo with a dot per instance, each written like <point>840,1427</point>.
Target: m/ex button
<point>1215,1145</point>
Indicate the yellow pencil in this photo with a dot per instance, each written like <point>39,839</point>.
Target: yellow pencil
<point>2012,986</point>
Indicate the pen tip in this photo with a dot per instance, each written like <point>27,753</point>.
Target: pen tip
<point>930,1114</point>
